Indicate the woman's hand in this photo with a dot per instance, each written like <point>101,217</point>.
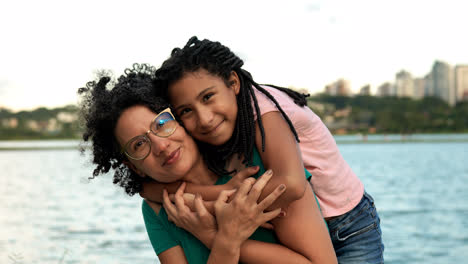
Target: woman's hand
<point>199,222</point>
<point>239,218</point>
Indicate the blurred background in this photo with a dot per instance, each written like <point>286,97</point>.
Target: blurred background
<point>388,78</point>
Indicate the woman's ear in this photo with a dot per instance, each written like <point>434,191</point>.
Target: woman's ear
<point>234,82</point>
<point>134,168</point>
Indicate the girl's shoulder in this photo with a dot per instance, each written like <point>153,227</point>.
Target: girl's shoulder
<point>303,118</point>
<point>266,105</point>
<point>282,98</point>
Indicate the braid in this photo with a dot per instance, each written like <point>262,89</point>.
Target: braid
<point>220,61</point>
<point>299,98</point>
<point>265,92</point>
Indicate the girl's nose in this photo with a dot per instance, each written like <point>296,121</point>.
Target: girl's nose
<point>205,117</point>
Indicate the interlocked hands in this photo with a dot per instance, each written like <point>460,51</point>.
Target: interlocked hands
<point>235,220</point>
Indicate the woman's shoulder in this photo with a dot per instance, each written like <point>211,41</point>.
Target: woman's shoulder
<point>150,208</point>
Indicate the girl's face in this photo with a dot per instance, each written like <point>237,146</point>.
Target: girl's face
<point>169,159</point>
<point>206,105</point>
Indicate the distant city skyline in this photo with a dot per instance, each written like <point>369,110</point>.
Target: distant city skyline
<point>447,82</point>
<point>51,48</point>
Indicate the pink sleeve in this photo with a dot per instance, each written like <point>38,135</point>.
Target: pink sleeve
<point>264,103</point>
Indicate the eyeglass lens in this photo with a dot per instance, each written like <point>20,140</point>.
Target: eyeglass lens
<point>163,126</point>
<point>139,147</point>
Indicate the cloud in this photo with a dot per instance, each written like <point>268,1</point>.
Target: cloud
<point>3,87</point>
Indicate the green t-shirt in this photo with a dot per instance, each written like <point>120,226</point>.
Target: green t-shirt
<point>165,235</point>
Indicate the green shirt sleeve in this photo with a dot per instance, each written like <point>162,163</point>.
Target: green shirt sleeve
<point>158,233</point>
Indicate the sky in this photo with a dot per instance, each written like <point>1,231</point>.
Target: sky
<point>48,49</point>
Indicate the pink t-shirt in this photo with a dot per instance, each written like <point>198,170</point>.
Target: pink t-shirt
<point>336,186</point>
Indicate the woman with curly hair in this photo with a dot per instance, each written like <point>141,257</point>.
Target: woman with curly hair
<point>135,134</point>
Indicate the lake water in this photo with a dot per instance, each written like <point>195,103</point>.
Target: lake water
<point>51,213</point>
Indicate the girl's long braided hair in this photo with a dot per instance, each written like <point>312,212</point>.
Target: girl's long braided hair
<point>220,61</point>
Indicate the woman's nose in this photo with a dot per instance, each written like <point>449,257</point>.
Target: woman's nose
<point>158,144</point>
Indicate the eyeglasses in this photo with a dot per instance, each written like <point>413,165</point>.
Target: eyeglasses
<point>163,125</point>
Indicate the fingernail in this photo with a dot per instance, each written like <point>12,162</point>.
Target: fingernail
<point>269,172</point>
<point>282,187</point>
<point>282,214</point>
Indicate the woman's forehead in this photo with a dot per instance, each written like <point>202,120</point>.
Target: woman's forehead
<point>133,121</point>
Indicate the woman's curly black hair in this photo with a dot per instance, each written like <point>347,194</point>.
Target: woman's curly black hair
<point>220,61</point>
<point>100,109</point>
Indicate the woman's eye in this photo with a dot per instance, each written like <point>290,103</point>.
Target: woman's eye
<point>162,122</point>
<point>138,144</point>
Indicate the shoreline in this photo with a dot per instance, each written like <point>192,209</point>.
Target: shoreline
<point>340,140</point>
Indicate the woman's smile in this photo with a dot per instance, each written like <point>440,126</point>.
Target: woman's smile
<point>172,158</point>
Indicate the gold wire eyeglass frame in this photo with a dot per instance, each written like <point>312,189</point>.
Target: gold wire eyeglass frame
<point>145,135</point>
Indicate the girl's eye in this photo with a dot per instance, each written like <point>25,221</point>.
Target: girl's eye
<point>185,111</point>
<point>207,97</point>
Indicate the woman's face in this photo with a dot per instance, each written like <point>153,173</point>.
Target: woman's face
<point>169,159</point>
<point>206,105</point>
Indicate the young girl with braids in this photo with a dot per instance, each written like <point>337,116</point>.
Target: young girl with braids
<point>229,115</point>
<point>136,135</point>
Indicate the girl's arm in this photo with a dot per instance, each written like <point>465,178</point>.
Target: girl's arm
<point>153,190</point>
<point>304,230</point>
<point>283,156</point>
<point>304,233</point>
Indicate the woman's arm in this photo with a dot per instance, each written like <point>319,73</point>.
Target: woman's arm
<point>173,255</point>
<point>283,156</point>
<point>158,236</point>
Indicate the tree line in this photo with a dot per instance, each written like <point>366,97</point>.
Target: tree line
<point>364,114</point>
<point>396,114</point>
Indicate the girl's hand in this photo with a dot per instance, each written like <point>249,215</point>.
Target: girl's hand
<point>199,222</point>
<point>236,181</point>
<point>238,219</point>
<point>189,199</point>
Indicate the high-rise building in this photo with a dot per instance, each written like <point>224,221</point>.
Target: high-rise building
<point>428,85</point>
<point>419,88</point>
<point>340,87</point>
<point>443,78</point>
<point>404,85</point>
<point>461,82</point>
<point>385,89</point>
<point>365,90</point>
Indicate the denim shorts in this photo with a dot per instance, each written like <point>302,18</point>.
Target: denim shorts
<point>356,235</point>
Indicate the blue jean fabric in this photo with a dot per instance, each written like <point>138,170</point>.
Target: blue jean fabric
<point>356,235</point>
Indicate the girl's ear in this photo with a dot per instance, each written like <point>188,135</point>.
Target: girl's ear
<point>134,168</point>
<point>234,82</point>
